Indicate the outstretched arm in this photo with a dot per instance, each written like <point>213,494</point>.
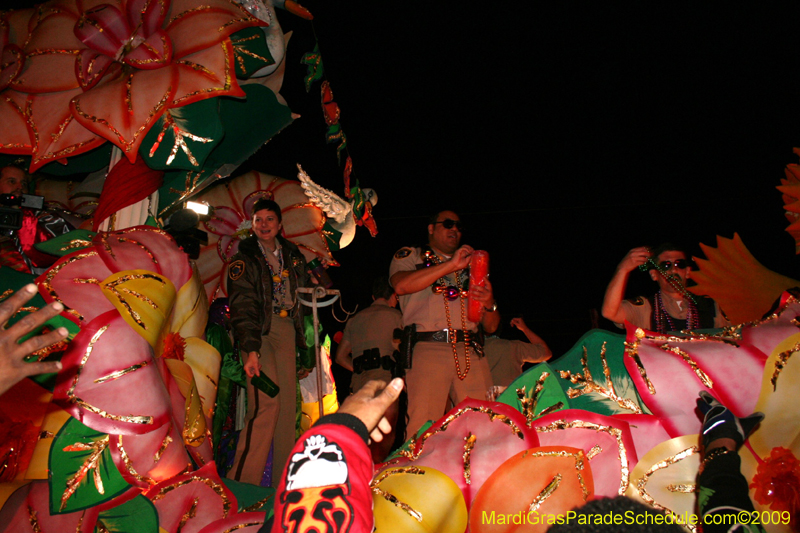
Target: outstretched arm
<point>12,354</point>
<point>615,292</point>
<point>411,281</point>
<point>369,404</point>
<point>533,338</point>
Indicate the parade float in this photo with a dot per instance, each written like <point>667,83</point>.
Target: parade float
<point>158,103</point>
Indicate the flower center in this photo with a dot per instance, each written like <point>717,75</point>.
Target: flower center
<point>174,346</point>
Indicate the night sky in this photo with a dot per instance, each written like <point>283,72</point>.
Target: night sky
<point>564,134</point>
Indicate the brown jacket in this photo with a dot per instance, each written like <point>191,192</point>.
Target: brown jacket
<point>250,292</point>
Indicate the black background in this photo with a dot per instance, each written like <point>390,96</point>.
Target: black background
<point>564,134</point>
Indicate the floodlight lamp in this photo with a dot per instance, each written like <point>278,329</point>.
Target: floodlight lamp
<point>198,207</point>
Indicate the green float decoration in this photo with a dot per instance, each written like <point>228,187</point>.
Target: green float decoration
<point>250,52</point>
<point>138,515</point>
<point>82,472</point>
<point>590,376</point>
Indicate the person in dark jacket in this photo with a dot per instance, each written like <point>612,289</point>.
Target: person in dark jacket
<point>267,320</point>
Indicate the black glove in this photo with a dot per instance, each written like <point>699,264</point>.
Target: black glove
<point>721,423</point>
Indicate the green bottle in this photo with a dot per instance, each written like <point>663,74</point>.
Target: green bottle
<point>265,385</point>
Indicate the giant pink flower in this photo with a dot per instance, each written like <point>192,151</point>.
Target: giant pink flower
<point>80,72</point>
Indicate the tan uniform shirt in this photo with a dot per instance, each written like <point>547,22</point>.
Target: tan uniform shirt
<point>373,328</point>
<point>640,311</point>
<point>506,358</point>
<point>425,308</point>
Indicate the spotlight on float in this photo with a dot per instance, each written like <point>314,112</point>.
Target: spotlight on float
<point>201,209</point>
<point>182,225</point>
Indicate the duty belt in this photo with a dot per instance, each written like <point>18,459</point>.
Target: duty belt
<point>371,359</point>
<point>446,335</point>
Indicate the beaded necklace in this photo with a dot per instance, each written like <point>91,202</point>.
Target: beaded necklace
<point>674,283</point>
<point>450,293</point>
<point>662,318</point>
<point>278,281</point>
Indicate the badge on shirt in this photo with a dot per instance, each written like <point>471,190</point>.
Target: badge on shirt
<point>236,269</point>
<point>402,252</point>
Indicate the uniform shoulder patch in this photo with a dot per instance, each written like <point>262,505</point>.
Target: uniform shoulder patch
<point>402,252</point>
<point>236,269</point>
<point>638,301</point>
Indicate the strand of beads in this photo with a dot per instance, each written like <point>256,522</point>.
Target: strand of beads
<point>278,281</point>
<point>662,317</point>
<point>452,334</point>
<point>674,283</point>
<point>451,292</point>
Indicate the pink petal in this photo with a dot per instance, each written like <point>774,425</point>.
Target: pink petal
<point>19,25</point>
<point>207,74</point>
<point>144,248</point>
<point>91,66</point>
<point>225,221</point>
<point>33,499</point>
<point>147,15</point>
<point>614,454</point>
<point>202,490</point>
<point>103,29</point>
<point>152,54</point>
<point>647,431</point>
<point>50,56</point>
<point>499,432</point>
<point>150,458</point>
<point>57,131</point>
<point>69,281</point>
<point>240,522</point>
<point>196,27</point>
<point>123,109</point>
<point>14,136</point>
<point>104,363</point>
<point>11,61</point>
<point>678,379</point>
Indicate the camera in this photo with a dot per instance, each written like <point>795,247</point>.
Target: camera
<point>10,212</point>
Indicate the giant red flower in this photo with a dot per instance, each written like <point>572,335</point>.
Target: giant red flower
<point>80,72</point>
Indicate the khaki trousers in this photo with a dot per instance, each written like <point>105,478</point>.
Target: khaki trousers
<point>270,419</point>
<point>433,379</point>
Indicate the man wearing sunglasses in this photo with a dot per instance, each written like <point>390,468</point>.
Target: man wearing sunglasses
<point>446,354</point>
<point>672,308</point>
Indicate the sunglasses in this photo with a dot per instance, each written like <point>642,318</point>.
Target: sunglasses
<point>678,263</point>
<point>448,223</point>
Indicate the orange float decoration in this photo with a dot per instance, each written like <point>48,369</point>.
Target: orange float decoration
<point>531,490</point>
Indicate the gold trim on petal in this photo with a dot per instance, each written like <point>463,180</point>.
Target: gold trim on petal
<point>622,453</point>
<point>119,373</point>
<point>546,493</point>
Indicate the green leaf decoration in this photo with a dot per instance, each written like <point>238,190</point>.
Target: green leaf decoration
<point>248,124</point>
<point>82,473</point>
<point>315,70</point>
<point>252,497</point>
<point>85,163</point>
<point>67,243</point>
<point>250,52</point>
<point>549,399</point>
<point>138,515</point>
<point>183,137</point>
<point>11,281</point>
<point>578,379</point>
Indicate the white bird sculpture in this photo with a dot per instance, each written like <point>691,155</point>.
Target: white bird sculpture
<point>338,210</point>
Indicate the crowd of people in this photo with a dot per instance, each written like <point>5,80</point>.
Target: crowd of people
<point>429,349</point>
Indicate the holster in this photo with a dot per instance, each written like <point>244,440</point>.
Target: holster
<point>406,350</point>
